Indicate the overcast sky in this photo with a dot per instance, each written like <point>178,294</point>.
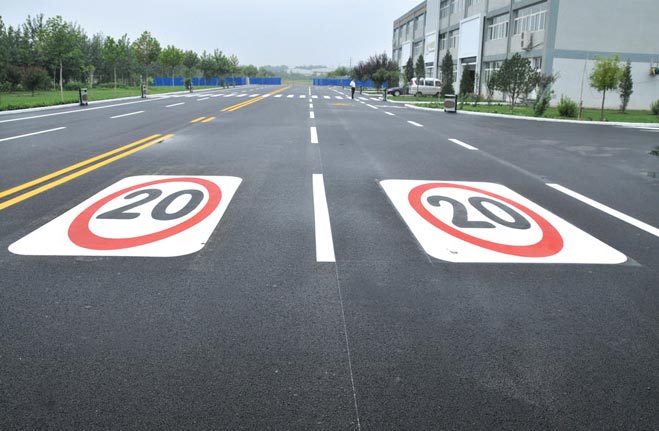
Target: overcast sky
<point>259,32</point>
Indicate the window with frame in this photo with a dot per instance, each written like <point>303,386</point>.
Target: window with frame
<point>490,67</point>
<point>453,39</point>
<point>442,41</point>
<point>531,18</point>
<point>469,3</point>
<point>498,27</point>
<point>536,63</point>
<point>443,9</point>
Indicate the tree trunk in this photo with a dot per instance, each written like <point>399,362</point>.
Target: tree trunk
<point>172,76</point>
<point>115,80</point>
<point>61,84</point>
<point>602,110</point>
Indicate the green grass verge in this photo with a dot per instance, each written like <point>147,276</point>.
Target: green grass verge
<point>25,99</point>
<point>631,116</point>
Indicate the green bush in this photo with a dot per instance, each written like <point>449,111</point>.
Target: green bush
<point>567,108</point>
<point>74,85</point>
<point>542,103</point>
<point>655,107</point>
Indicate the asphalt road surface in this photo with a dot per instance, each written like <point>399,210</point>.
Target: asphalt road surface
<point>284,258</point>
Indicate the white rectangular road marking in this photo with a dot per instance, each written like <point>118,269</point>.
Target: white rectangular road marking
<point>314,135</point>
<point>303,96</point>
<point>203,98</point>
<point>610,211</point>
<point>31,134</point>
<point>415,124</point>
<point>278,96</point>
<point>326,97</point>
<point>462,144</point>
<point>253,95</point>
<point>290,96</point>
<point>389,113</point>
<point>310,105</point>
<point>314,97</point>
<point>339,97</point>
<point>175,104</point>
<point>324,243</point>
<point>371,106</point>
<point>312,115</point>
<point>241,95</point>
<point>126,115</point>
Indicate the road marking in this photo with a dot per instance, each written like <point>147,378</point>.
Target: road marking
<point>152,216</point>
<point>241,95</point>
<point>326,97</point>
<point>462,144</point>
<point>389,113</point>
<point>203,98</point>
<point>610,211</point>
<point>303,96</point>
<point>312,115</point>
<point>415,124</point>
<point>175,104</point>
<point>252,101</point>
<point>373,107</point>
<point>131,149</point>
<point>253,95</point>
<point>31,134</point>
<point>324,242</point>
<point>196,120</point>
<point>208,120</point>
<point>127,115</point>
<point>310,105</point>
<point>314,135</point>
<point>339,97</point>
<point>290,96</point>
<point>486,222</point>
<point>314,97</point>
<point>278,96</point>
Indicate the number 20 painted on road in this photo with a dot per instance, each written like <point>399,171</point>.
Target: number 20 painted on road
<point>487,222</point>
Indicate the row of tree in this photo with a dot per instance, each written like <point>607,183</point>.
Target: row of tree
<point>42,51</point>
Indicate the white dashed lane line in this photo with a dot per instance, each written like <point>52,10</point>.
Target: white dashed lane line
<point>462,144</point>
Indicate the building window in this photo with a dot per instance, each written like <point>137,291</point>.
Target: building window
<point>497,27</point>
<point>469,3</point>
<point>490,67</point>
<point>453,39</point>
<point>531,18</point>
<point>443,9</point>
<point>442,41</point>
<point>536,62</point>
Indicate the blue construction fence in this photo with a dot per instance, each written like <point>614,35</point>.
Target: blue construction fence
<point>215,82</point>
<point>345,83</point>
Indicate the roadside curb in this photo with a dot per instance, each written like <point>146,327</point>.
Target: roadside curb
<point>96,102</point>
<point>546,120</point>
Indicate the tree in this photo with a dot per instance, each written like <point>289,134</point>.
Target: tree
<point>34,78</point>
<point>515,77</point>
<point>111,55</point>
<point>250,70</point>
<point>409,70</point>
<point>339,72</point>
<point>447,75</point>
<point>171,57</point>
<point>605,76</point>
<point>61,45</point>
<point>420,68</point>
<point>625,88</point>
<point>147,50</point>
<point>466,82</point>
<point>190,60</point>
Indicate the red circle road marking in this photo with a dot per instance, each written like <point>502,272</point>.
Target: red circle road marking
<point>82,236</point>
<point>550,243</point>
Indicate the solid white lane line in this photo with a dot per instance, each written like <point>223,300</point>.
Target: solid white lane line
<point>462,144</point>
<point>314,135</point>
<point>324,243</point>
<point>389,113</point>
<point>126,115</point>
<point>415,124</point>
<point>175,104</point>
<point>31,134</point>
<point>312,115</point>
<point>610,211</point>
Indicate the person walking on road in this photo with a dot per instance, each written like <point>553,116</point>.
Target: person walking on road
<point>352,88</point>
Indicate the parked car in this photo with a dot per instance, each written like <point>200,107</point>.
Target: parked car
<point>397,91</point>
<point>425,86</point>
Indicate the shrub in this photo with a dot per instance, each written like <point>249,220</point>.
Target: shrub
<point>567,107</point>
<point>542,103</point>
<point>34,78</point>
<point>74,85</point>
<point>655,107</point>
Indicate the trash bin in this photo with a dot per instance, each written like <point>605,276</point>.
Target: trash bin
<point>84,101</point>
<point>143,91</point>
<point>451,103</point>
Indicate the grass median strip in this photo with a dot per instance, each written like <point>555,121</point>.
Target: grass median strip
<point>105,159</point>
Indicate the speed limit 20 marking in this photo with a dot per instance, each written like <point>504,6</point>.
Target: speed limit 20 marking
<point>487,222</point>
<point>158,216</point>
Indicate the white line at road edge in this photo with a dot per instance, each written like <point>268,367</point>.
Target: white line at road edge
<point>126,115</point>
<point>415,124</point>
<point>31,134</point>
<point>324,243</point>
<point>610,211</point>
<point>175,104</point>
<point>462,144</point>
<point>314,135</point>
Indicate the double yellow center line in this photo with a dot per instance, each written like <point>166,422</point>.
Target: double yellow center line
<point>105,159</point>
<point>254,100</point>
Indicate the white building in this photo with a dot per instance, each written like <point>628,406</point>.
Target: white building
<point>561,37</point>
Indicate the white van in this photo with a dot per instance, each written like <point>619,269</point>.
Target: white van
<point>425,86</point>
